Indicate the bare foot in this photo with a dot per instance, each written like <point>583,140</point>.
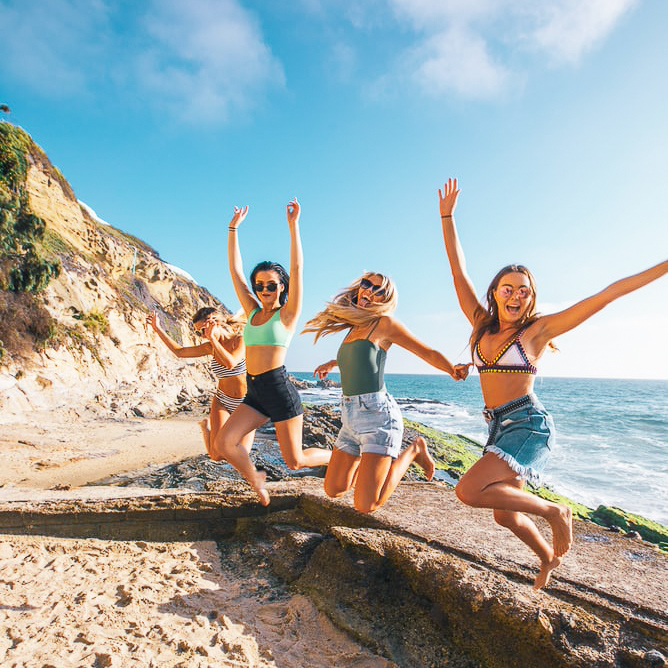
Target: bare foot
<point>258,482</point>
<point>545,573</point>
<point>423,457</point>
<point>562,529</point>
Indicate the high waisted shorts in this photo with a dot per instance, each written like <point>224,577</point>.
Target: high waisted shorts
<point>273,394</point>
<point>523,437</point>
<point>371,423</point>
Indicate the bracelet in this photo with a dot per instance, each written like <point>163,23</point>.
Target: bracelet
<point>232,229</point>
<point>447,215</point>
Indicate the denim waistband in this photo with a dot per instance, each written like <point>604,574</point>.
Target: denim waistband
<point>358,398</point>
<point>508,407</point>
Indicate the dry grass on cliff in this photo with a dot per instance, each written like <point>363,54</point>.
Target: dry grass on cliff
<point>25,324</point>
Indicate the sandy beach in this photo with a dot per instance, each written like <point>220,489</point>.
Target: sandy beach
<point>75,602</point>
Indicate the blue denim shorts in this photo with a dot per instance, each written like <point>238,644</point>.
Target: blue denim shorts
<point>523,437</point>
<point>371,423</point>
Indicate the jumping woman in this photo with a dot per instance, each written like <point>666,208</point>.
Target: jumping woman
<point>508,339</point>
<point>272,307</point>
<point>224,342</point>
<point>367,451</point>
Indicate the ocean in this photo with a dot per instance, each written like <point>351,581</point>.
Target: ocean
<point>612,435</point>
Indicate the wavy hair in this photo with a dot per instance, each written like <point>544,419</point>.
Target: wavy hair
<point>231,323</point>
<point>342,312</point>
<point>282,274</point>
<point>487,321</point>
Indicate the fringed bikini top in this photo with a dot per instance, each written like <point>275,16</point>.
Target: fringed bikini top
<point>512,358</point>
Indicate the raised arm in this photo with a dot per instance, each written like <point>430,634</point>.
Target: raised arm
<point>244,293</point>
<point>466,294</point>
<point>214,333</point>
<point>554,324</point>
<point>177,348</point>
<point>291,311</point>
<point>394,331</point>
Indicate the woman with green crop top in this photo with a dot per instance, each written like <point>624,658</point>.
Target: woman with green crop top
<point>272,308</point>
<point>367,450</point>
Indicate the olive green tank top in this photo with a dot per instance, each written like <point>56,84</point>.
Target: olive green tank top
<point>362,366</point>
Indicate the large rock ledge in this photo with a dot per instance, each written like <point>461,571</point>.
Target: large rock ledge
<point>423,582</point>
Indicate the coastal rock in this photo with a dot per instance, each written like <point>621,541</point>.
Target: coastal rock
<point>409,589</point>
<point>95,350</point>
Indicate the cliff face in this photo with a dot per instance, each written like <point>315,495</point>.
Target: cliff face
<point>97,352</point>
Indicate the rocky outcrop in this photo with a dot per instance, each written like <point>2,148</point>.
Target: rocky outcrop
<point>98,351</point>
<point>425,582</point>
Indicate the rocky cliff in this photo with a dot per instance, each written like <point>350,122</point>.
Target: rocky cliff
<point>82,342</point>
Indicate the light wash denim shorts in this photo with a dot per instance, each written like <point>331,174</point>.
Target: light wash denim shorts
<point>523,437</point>
<point>371,423</point>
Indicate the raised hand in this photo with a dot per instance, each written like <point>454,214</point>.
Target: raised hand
<point>152,319</point>
<point>448,197</point>
<point>293,210</point>
<point>239,215</point>
<point>211,330</point>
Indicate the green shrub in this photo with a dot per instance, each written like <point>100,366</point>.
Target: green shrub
<point>96,321</point>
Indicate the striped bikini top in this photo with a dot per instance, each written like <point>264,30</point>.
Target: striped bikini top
<point>512,358</point>
<point>221,371</point>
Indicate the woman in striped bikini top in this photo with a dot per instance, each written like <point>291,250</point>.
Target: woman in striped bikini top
<point>223,336</point>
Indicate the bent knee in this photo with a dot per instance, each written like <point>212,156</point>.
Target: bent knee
<point>466,494</point>
<point>366,506</point>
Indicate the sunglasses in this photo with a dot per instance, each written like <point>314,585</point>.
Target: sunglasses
<point>271,286</point>
<point>507,291</point>
<point>365,283</point>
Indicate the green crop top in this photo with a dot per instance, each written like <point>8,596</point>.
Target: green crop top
<point>362,366</point>
<point>270,333</point>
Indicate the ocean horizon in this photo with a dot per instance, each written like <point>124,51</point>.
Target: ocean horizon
<point>612,433</point>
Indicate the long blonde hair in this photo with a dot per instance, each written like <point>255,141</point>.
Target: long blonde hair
<point>342,312</point>
<point>231,323</point>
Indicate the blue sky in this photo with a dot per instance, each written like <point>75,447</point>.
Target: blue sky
<point>164,115</point>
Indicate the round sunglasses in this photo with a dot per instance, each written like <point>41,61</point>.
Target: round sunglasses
<point>271,286</point>
<point>365,283</point>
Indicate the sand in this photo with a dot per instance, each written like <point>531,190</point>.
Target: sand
<point>74,602</point>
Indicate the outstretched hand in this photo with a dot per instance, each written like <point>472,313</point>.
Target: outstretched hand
<point>152,319</point>
<point>323,369</point>
<point>239,215</point>
<point>448,197</point>
<point>293,210</point>
<point>461,371</point>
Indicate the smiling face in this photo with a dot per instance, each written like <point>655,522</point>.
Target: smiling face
<point>371,290</point>
<point>514,296</point>
<point>271,287</point>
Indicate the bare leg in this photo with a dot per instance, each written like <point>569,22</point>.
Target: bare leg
<point>379,475</point>
<point>341,473</point>
<point>491,483</point>
<point>289,434</point>
<point>232,443</point>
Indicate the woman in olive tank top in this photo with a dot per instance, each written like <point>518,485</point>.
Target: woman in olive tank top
<point>367,450</point>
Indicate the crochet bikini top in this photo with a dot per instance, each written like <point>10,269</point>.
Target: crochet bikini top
<point>512,358</point>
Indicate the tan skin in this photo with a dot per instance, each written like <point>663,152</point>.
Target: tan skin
<point>490,482</point>
<point>373,475</point>
<point>261,358</point>
<point>229,351</point>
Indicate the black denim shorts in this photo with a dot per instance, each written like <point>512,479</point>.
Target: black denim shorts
<point>273,394</point>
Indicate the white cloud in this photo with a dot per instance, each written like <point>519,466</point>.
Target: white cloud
<point>51,46</point>
<point>566,29</point>
<point>201,58</point>
<point>467,46</point>
<point>205,57</point>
